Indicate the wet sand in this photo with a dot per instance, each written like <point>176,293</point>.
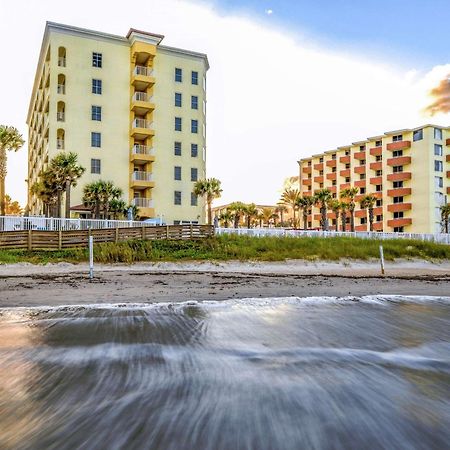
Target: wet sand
<point>68,284</point>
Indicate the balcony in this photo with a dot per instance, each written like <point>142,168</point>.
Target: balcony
<point>399,176</point>
<point>399,161</point>
<point>399,145</point>
<point>62,61</point>
<point>447,142</point>
<point>361,227</point>
<point>318,166</point>
<point>142,77</point>
<point>142,129</point>
<point>331,163</point>
<point>61,89</point>
<point>307,182</point>
<point>378,211</point>
<point>376,180</point>
<point>378,226</point>
<point>360,169</point>
<point>399,222</point>
<point>448,173</point>
<point>447,158</point>
<point>376,165</point>
<point>142,153</point>
<point>307,169</point>
<point>361,213</point>
<point>448,190</point>
<point>60,144</point>
<point>145,205</point>
<point>360,183</point>
<point>395,207</point>
<point>345,173</point>
<point>142,103</point>
<point>376,151</point>
<point>332,189</point>
<point>360,155</point>
<point>141,179</point>
<point>318,179</point>
<point>344,186</point>
<point>344,159</point>
<point>399,192</point>
<point>331,176</point>
<point>60,116</point>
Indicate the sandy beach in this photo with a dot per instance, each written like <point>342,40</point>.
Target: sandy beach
<point>68,284</point>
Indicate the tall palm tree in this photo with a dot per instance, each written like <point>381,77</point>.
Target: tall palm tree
<point>335,206</point>
<point>290,197</point>
<point>322,198</point>
<point>48,190</point>
<point>209,188</point>
<point>445,216</point>
<point>280,210</point>
<point>12,208</point>
<point>305,204</point>
<point>350,194</point>
<point>225,218</point>
<point>66,165</point>
<point>368,202</point>
<point>118,208</point>
<point>108,192</point>
<point>344,209</point>
<point>92,198</point>
<point>251,211</point>
<point>10,139</point>
<point>238,210</point>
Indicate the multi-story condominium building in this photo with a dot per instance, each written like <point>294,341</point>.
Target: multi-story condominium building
<point>407,170</point>
<point>132,109</point>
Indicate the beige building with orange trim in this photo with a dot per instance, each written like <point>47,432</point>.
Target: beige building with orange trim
<point>407,170</point>
<point>133,110</point>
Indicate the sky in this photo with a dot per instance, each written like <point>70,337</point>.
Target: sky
<point>288,78</point>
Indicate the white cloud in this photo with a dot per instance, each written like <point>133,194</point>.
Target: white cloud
<point>269,12</point>
<point>271,97</point>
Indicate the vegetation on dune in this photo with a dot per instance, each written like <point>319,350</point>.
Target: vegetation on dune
<point>232,247</point>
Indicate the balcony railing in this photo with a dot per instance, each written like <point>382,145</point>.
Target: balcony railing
<point>139,149</point>
<point>142,202</point>
<point>60,144</point>
<point>141,70</point>
<point>61,88</point>
<point>60,116</point>
<point>142,97</point>
<point>142,176</point>
<point>142,123</point>
<point>62,61</point>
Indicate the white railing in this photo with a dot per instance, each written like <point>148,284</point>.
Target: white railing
<point>142,202</point>
<point>142,176</point>
<point>142,123</point>
<point>139,149</point>
<point>441,238</point>
<point>60,144</point>
<point>62,61</point>
<point>142,97</point>
<point>61,89</point>
<point>60,116</point>
<point>16,223</point>
<point>142,70</point>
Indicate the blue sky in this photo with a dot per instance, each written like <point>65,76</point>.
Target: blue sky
<point>411,31</point>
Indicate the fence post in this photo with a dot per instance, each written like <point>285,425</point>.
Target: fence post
<point>117,235</point>
<point>167,232</point>
<point>30,240</point>
<point>59,239</point>
<point>91,257</point>
<point>143,232</point>
<point>192,232</point>
<point>382,259</point>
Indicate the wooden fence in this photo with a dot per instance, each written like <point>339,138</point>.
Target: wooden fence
<point>58,240</point>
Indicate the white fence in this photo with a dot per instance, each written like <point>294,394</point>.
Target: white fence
<point>15,223</point>
<point>441,238</point>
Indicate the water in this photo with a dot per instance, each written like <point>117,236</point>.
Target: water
<point>322,373</point>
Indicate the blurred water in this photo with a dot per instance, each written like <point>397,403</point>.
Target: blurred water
<point>317,373</point>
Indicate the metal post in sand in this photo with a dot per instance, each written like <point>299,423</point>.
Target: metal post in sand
<point>91,257</point>
<point>382,259</point>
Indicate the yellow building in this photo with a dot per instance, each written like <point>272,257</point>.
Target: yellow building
<point>132,109</point>
<point>408,170</point>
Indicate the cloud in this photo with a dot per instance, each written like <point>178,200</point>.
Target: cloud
<point>441,94</point>
<point>269,12</point>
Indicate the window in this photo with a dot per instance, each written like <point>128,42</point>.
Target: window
<point>347,166</point>
<point>194,77</point>
<point>178,75</point>
<point>333,156</point>
<point>347,152</point>
<point>96,60</point>
<point>333,170</point>
<point>397,169</point>
<point>347,179</point>
<point>96,86</point>
<point>177,197</point>
<point>438,166</point>
<point>95,166</point>
<point>194,199</point>
<point>398,229</point>
<point>362,148</point>
<point>418,135</point>
<point>333,183</point>
<point>438,134</point>
<point>379,218</point>
<point>379,173</point>
<point>96,139</point>
<point>194,102</point>
<point>362,190</point>
<point>194,174</point>
<point>379,202</point>
<point>177,99</point>
<point>398,214</point>
<point>378,187</point>
<point>177,123</point>
<point>320,173</point>
<point>398,199</point>
<point>397,138</point>
<point>397,184</point>
<point>194,126</point>
<point>177,148</point>
<point>177,173</point>
<point>96,112</point>
<point>378,158</point>
<point>363,220</point>
<point>438,182</point>
<point>321,159</point>
<point>362,162</point>
<point>378,144</point>
<point>320,185</point>
<point>438,149</point>
<point>362,176</point>
<point>397,153</point>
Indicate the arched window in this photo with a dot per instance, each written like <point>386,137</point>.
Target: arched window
<point>62,57</point>
<point>61,83</point>
<point>61,112</point>
<point>60,139</point>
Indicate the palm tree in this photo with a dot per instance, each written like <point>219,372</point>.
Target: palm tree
<point>368,202</point>
<point>350,194</point>
<point>92,198</point>
<point>209,188</point>
<point>66,165</point>
<point>10,139</point>
<point>48,190</point>
<point>445,216</point>
<point>226,217</point>
<point>12,208</point>
<point>118,208</point>
<point>322,198</point>
<point>267,214</point>
<point>280,210</point>
<point>305,204</point>
<point>238,210</point>
<point>335,206</point>
<point>108,192</point>
<point>290,197</point>
<point>251,211</point>
<point>344,209</point>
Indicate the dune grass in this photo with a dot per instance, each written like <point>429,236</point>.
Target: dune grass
<point>231,247</point>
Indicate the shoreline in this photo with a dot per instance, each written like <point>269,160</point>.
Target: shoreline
<point>23,285</point>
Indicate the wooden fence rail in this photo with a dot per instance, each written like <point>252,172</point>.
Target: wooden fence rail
<point>58,240</point>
